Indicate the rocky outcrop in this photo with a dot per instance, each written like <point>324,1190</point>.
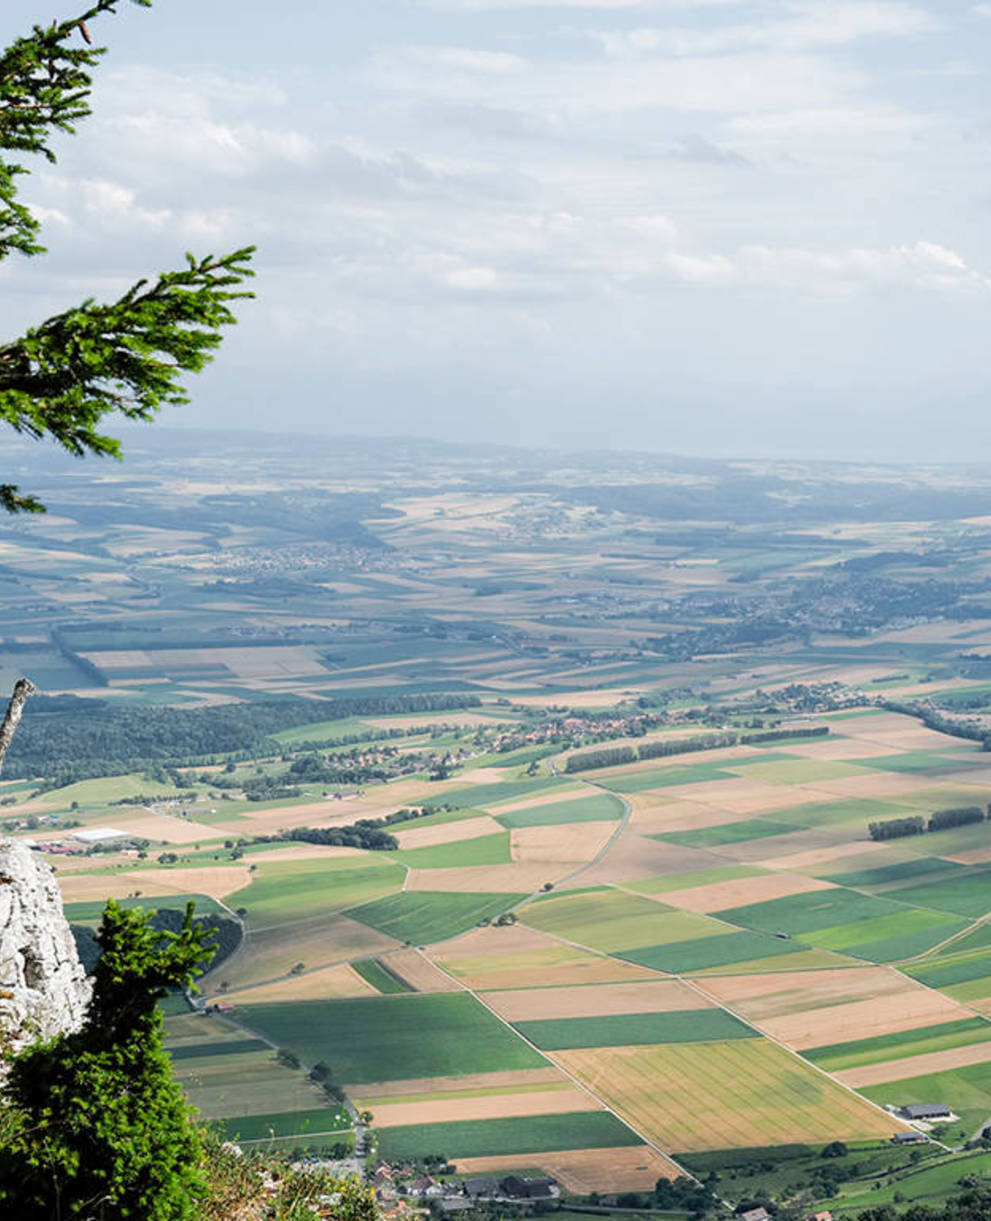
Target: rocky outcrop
<point>43,988</point>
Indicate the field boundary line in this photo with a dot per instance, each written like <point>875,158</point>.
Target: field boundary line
<point>621,826</point>
<point>713,1000</point>
<point>791,1051</point>
<point>574,1080</point>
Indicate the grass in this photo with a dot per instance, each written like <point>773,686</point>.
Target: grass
<point>898,872</point>
<point>492,794</point>
<point>293,890</point>
<point>324,731</point>
<point>232,1047</point>
<point>974,965</point>
<point>967,1090</point>
<point>422,916</point>
<point>811,912</point>
<point>494,1137</point>
<point>612,921</point>
<point>927,1184</point>
<point>965,894</point>
<point>373,971</point>
<point>799,771</point>
<point>920,1041</point>
<point>728,833</point>
<point>638,782</point>
<point>486,850</point>
<point>831,813</point>
<point>918,761</point>
<point>630,1029</point>
<point>682,957</point>
<point>286,1123</point>
<point>903,945</point>
<point>394,1038</point>
<point>599,808</point>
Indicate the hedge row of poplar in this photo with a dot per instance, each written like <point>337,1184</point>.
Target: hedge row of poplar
<point>613,756</point>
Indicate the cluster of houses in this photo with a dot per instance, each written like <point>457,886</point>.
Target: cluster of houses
<point>395,1183</point>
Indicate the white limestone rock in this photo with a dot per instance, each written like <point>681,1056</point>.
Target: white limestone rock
<point>43,987</point>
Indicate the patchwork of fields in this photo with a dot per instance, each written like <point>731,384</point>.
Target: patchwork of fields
<point>658,959</point>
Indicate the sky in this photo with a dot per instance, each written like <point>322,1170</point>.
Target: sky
<point>719,227</point>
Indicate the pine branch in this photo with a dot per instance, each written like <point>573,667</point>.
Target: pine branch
<point>65,375</point>
<point>45,87</point>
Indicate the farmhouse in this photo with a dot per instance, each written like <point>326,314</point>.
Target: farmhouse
<point>516,1188</point>
<point>927,1110</point>
<point>909,1138</point>
<point>755,1214</point>
<point>481,1187</point>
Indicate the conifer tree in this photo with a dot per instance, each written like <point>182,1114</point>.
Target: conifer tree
<point>99,1129</point>
<point>64,375</point>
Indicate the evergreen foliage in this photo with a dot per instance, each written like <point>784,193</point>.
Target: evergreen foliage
<point>958,816</point>
<point>592,759</point>
<point>896,828</point>
<point>100,1129</point>
<point>126,357</point>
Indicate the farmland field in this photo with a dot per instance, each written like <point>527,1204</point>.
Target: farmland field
<point>381,1038</point>
<point>538,1134</point>
<point>719,1095</point>
<point>335,700</point>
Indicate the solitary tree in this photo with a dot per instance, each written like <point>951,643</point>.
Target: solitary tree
<point>125,357</point>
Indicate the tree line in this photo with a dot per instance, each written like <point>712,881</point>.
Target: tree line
<point>68,740</point>
<point>613,756</point>
<point>917,824</point>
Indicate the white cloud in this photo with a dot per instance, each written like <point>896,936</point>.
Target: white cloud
<point>744,82</point>
<point>926,266</point>
<point>472,278</point>
<point>805,26</point>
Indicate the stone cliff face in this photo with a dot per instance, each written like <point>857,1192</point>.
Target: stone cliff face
<point>43,988</point>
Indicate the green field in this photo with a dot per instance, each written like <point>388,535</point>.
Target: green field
<point>728,833</point>
<point>967,1090</point>
<point>233,1047</point>
<point>393,1038</point>
<point>599,808</point>
<point>833,813</point>
<point>915,867</point>
<point>838,1056</point>
<point>492,794</point>
<point>975,964</point>
<point>965,894</point>
<point>422,916</point>
<point>294,890</point>
<point>320,1120</point>
<point>485,850</point>
<point>493,1137</point>
<point>632,1029</point>
<point>373,971</point>
<point>683,957</point>
<point>810,913</point>
<point>638,782</point>
<point>611,920</point>
<point>928,1184</point>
